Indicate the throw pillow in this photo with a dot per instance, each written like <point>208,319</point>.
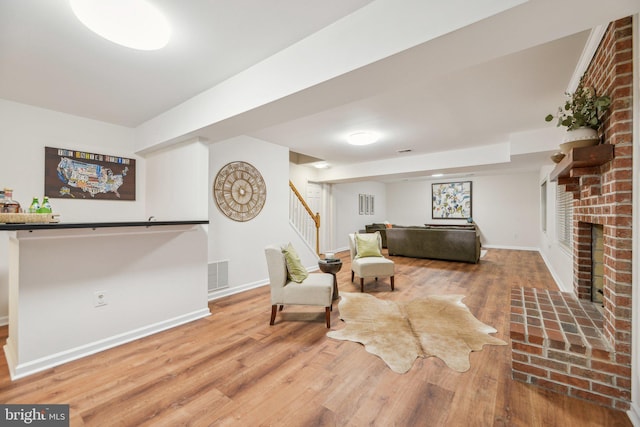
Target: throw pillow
<point>367,245</point>
<point>295,270</point>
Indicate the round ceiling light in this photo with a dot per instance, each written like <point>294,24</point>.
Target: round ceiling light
<point>321,165</point>
<point>363,138</point>
<point>132,23</point>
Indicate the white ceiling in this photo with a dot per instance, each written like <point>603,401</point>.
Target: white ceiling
<point>477,105</point>
<point>470,87</point>
<point>49,59</point>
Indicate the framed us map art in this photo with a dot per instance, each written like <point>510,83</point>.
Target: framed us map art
<point>74,174</point>
<point>451,200</point>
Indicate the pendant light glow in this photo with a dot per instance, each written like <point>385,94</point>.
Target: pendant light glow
<point>132,23</point>
<point>362,138</point>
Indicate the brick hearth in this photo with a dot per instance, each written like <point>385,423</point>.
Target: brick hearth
<point>558,344</point>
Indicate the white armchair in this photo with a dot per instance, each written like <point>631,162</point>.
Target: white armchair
<point>316,289</point>
<point>370,266</point>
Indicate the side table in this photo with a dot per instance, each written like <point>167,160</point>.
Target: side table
<point>331,267</point>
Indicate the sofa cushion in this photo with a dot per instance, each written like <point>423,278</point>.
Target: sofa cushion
<point>295,270</point>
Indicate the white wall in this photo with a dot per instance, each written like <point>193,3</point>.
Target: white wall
<point>347,217</point>
<point>507,210</point>
<point>300,175</point>
<point>242,243</point>
<point>505,207</point>
<point>634,412</point>
<point>409,202</point>
<point>559,259</point>
<point>177,183</point>
<point>25,131</point>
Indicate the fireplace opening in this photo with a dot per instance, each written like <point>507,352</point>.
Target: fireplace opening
<point>597,263</point>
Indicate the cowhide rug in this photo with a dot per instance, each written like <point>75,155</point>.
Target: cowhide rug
<point>399,332</point>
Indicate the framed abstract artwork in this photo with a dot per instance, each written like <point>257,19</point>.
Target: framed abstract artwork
<point>451,200</point>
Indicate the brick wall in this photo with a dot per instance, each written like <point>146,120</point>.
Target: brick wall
<point>606,197</point>
<point>559,359</point>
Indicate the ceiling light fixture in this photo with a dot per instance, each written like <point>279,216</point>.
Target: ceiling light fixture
<point>321,165</point>
<point>363,138</point>
<point>132,23</point>
<point>437,175</point>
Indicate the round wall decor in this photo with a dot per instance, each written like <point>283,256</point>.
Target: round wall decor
<point>239,191</point>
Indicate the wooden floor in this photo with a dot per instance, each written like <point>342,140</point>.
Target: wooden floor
<point>233,369</point>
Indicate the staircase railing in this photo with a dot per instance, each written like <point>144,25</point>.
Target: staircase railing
<point>303,219</point>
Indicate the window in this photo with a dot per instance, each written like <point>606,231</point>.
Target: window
<point>564,216</point>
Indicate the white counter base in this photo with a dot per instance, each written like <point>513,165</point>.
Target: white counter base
<point>154,278</point>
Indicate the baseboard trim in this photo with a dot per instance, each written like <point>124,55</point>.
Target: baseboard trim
<point>340,249</point>
<point>225,292</point>
<point>514,248</point>
<point>555,276</point>
<point>634,414</point>
<point>4,320</point>
<point>20,370</point>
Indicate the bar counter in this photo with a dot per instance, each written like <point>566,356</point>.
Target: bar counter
<point>63,225</point>
<point>79,288</point>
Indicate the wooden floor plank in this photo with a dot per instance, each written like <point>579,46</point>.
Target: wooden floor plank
<point>233,369</point>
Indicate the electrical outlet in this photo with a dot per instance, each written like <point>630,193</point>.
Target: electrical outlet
<point>99,298</point>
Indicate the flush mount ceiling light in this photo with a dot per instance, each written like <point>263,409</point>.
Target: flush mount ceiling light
<point>363,138</point>
<point>437,175</point>
<point>321,165</point>
<point>132,23</point>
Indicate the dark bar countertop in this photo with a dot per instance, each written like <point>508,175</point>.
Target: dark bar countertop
<point>63,225</point>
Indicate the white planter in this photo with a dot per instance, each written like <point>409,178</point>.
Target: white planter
<point>581,137</point>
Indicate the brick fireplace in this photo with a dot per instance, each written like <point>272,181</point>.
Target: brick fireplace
<point>579,343</point>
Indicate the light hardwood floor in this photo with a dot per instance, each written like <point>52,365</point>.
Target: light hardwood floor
<point>233,369</point>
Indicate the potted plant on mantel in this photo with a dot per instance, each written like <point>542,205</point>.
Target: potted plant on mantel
<point>582,115</point>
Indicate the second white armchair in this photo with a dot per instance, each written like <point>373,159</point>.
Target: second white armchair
<point>367,260</point>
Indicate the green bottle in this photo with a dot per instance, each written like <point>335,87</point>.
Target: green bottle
<point>35,206</point>
<point>46,206</point>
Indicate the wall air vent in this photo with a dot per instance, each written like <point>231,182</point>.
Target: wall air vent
<point>218,275</point>
<point>404,151</point>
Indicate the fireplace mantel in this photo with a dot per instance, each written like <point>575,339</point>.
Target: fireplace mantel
<point>582,157</point>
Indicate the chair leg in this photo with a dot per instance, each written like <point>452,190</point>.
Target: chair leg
<point>328,316</point>
<point>392,284</point>
<point>362,284</point>
<point>281,307</point>
<point>273,314</point>
<point>352,275</point>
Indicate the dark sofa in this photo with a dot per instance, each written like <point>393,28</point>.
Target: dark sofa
<point>382,228</point>
<point>446,242</point>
